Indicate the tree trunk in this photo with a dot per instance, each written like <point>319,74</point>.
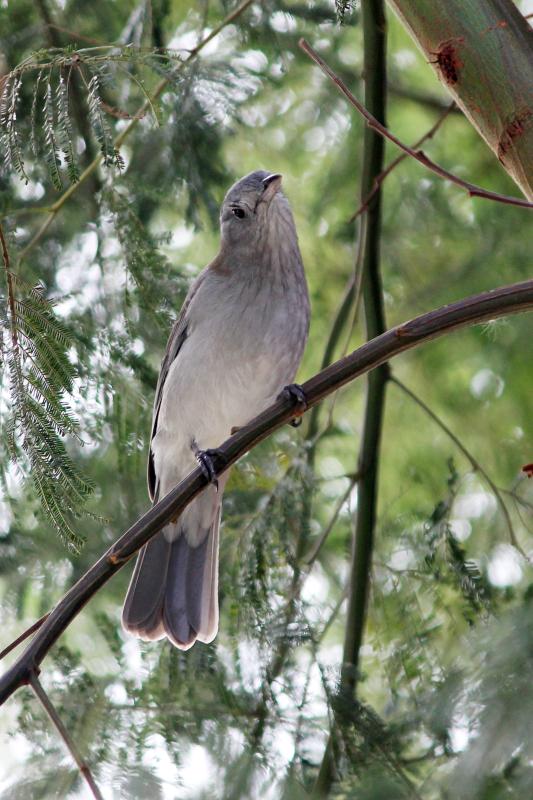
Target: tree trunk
<point>483,53</point>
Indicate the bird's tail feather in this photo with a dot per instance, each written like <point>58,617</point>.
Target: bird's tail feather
<point>174,589</point>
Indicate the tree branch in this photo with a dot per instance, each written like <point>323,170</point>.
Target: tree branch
<point>422,98</point>
<point>418,155</point>
<point>474,463</point>
<point>28,632</point>
<point>374,27</point>
<point>374,44</point>
<point>431,325</point>
<point>10,291</point>
<point>482,54</point>
<point>378,180</point>
<point>69,742</point>
<point>309,558</point>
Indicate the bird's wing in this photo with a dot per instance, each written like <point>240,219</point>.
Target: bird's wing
<point>175,342</point>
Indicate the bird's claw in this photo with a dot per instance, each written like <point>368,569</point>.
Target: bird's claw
<point>295,393</point>
<point>206,464</point>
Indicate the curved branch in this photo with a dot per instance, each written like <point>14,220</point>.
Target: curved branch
<point>463,313</point>
<point>378,180</point>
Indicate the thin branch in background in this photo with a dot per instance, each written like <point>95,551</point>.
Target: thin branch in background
<point>422,98</point>
<point>476,466</point>
<point>374,29</point>
<point>69,742</point>
<point>426,327</point>
<point>378,180</point>
<point>88,171</point>
<point>520,504</point>
<point>339,321</point>
<point>354,292</point>
<point>315,642</point>
<point>418,155</point>
<point>516,497</point>
<point>28,632</point>
<point>10,291</point>
<point>396,765</point>
<point>309,559</point>
<point>362,546</point>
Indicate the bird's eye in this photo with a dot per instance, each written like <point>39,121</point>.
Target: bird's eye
<point>238,212</point>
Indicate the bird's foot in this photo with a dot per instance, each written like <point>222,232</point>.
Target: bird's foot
<point>295,393</point>
<point>206,459</point>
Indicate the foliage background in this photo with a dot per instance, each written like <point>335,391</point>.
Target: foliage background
<point>446,671</point>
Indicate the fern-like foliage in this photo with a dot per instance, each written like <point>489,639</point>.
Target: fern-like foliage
<point>344,8</point>
<point>9,137</point>
<point>52,133</point>
<point>65,130</point>
<point>447,559</point>
<point>110,154</point>
<point>39,375</point>
<point>49,127</point>
<point>154,284</point>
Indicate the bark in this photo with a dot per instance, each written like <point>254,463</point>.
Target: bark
<point>483,54</point>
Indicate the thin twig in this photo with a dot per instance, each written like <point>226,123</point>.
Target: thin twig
<point>468,455</point>
<point>422,98</point>
<point>418,155</point>
<point>469,311</point>
<point>378,180</point>
<point>28,632</point>
<point>354,293</point>
<point>60,202</point>
<point>309,559</point>
<point>69,742</point>
<point>10,291</point>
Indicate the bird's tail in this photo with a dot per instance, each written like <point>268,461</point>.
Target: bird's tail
<point>174,588</point>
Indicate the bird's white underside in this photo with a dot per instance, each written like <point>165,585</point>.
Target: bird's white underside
<point>201,402</point>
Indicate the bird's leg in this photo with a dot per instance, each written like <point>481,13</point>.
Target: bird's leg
<point>295,392</point>
<point>205,459</point>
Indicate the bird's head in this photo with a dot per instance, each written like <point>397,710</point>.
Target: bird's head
<point>252,208</point>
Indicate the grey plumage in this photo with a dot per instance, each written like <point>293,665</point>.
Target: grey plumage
<point>237,342</point>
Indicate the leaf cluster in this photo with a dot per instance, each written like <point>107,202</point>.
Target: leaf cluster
<point>40,375</point>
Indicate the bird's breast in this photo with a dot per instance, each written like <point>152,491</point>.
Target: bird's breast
<point>243,345</point>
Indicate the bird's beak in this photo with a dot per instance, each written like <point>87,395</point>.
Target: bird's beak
<point>272,184</point>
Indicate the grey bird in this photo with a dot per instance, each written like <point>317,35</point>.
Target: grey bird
<point>236,344</point>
